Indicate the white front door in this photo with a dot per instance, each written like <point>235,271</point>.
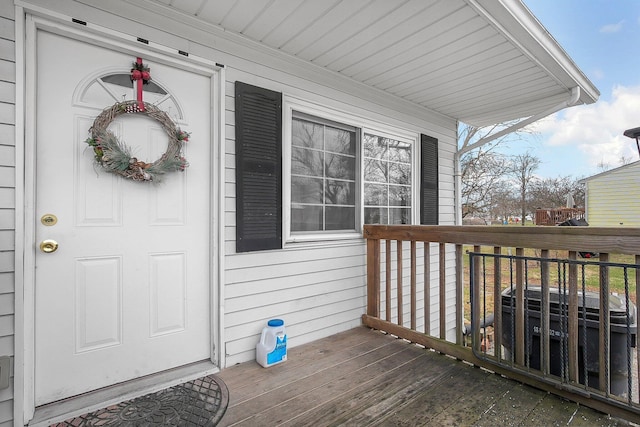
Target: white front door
<point>127,292</point>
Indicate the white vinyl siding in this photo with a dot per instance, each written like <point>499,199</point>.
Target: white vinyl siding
<point>7,198</point>
<point>318,288</point>
<point>613,197</point>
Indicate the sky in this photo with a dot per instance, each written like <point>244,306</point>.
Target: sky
<point>603,38</point>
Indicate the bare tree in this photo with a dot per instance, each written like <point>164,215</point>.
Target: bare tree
<point>504,203</point>
<point>482,169</point>
<point>552,192</point>
<point>625,160</point>
<point>522,168</point>
<point>482,175</point>
<point>468,135</point>
<point>603,166</point>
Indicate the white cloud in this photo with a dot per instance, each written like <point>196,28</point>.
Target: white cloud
<point>612,28</point>
<point>596,129</point>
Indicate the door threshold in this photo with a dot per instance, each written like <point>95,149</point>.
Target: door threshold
<point>61,410</point>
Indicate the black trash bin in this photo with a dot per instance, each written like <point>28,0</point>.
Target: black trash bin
<point>579,222</point>
<point>618,338</point>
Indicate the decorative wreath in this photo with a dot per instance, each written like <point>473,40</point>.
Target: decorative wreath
<point>115,157</point>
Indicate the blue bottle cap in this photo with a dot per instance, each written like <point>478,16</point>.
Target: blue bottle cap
<point>275,322</point>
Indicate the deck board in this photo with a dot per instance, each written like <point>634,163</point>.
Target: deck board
<point>363,377</point>
<point>477,395</point>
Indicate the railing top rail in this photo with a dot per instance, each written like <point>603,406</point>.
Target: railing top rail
<point>587,239</point>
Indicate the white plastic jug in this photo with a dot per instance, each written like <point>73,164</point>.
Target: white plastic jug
<point>272,348</point>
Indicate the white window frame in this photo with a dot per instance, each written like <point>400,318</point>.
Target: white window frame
<point>291,104</point>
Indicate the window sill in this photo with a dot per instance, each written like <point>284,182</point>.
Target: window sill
<point>323,240</point>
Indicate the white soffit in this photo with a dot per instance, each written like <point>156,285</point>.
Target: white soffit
<point>478,61</point>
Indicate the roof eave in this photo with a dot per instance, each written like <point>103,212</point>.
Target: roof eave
<point>516,22</point>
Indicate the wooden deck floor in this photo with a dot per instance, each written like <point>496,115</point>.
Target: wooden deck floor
<point>366,378</point>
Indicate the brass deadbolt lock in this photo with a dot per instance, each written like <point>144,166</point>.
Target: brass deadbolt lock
<point>49,219</point>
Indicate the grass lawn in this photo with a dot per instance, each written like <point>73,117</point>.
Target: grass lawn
<point>591,273</point>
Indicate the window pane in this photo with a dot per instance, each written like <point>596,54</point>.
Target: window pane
<point>399,151</point>
<point>399,173</point>
<point>306,190</point>
<point>399,195</point>
<point>375,170</point>
<point>375,146</point>
<point>340,141</point>
<point>342,167</point>
<point>340,218</point>
<point>340,193</point>
<point>306,218</point>
<point>400,216</point>
<point>306,162</point>
<point>375,216</point>
<point>307,134</point>
<point>375,195</point>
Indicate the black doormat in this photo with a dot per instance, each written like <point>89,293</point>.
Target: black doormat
<point>201,402</point>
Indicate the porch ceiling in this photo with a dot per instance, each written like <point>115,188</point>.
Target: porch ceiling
<point>479,61</point>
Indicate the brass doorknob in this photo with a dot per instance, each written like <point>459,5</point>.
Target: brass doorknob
<point>48,246</point>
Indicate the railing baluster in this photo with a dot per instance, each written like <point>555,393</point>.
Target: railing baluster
<point>520,336</point>
<point>497,303</point>
<point>413,285</point>
<point>443,293</point>
<point>527,320</point>
<point>637,285</point>
<point>373,277</point>
<point>427,288</point>
<point>544,313</point>
<point>573,318</point>
<point>459,295</point>
<point>604,326</point>
<point>585,355</point>
<point>387,287</point>
<point>399,281</point>
<point>562,306</point>
<point>628,315</point>
<point>475,299</point>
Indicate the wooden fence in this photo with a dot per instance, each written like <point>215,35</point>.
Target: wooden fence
<point>557,216</point>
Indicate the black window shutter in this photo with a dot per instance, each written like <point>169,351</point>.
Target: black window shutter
<point>258,168</point>
<point>429,180</point>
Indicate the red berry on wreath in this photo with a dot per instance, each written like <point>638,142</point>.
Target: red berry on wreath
<point>136,75</point>
<point>145,75</point>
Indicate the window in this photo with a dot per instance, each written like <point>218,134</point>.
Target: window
<point>323,176</point>
<point>338,173</point>
<point>387,180</point>
<point>343,175</point>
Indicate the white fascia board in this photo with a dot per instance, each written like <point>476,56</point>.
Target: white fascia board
<point>516,22</point>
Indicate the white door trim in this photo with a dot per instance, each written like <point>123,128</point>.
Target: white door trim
<point>26,29</point>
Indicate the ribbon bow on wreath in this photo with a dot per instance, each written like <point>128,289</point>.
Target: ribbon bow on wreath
<point>115,157</point>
